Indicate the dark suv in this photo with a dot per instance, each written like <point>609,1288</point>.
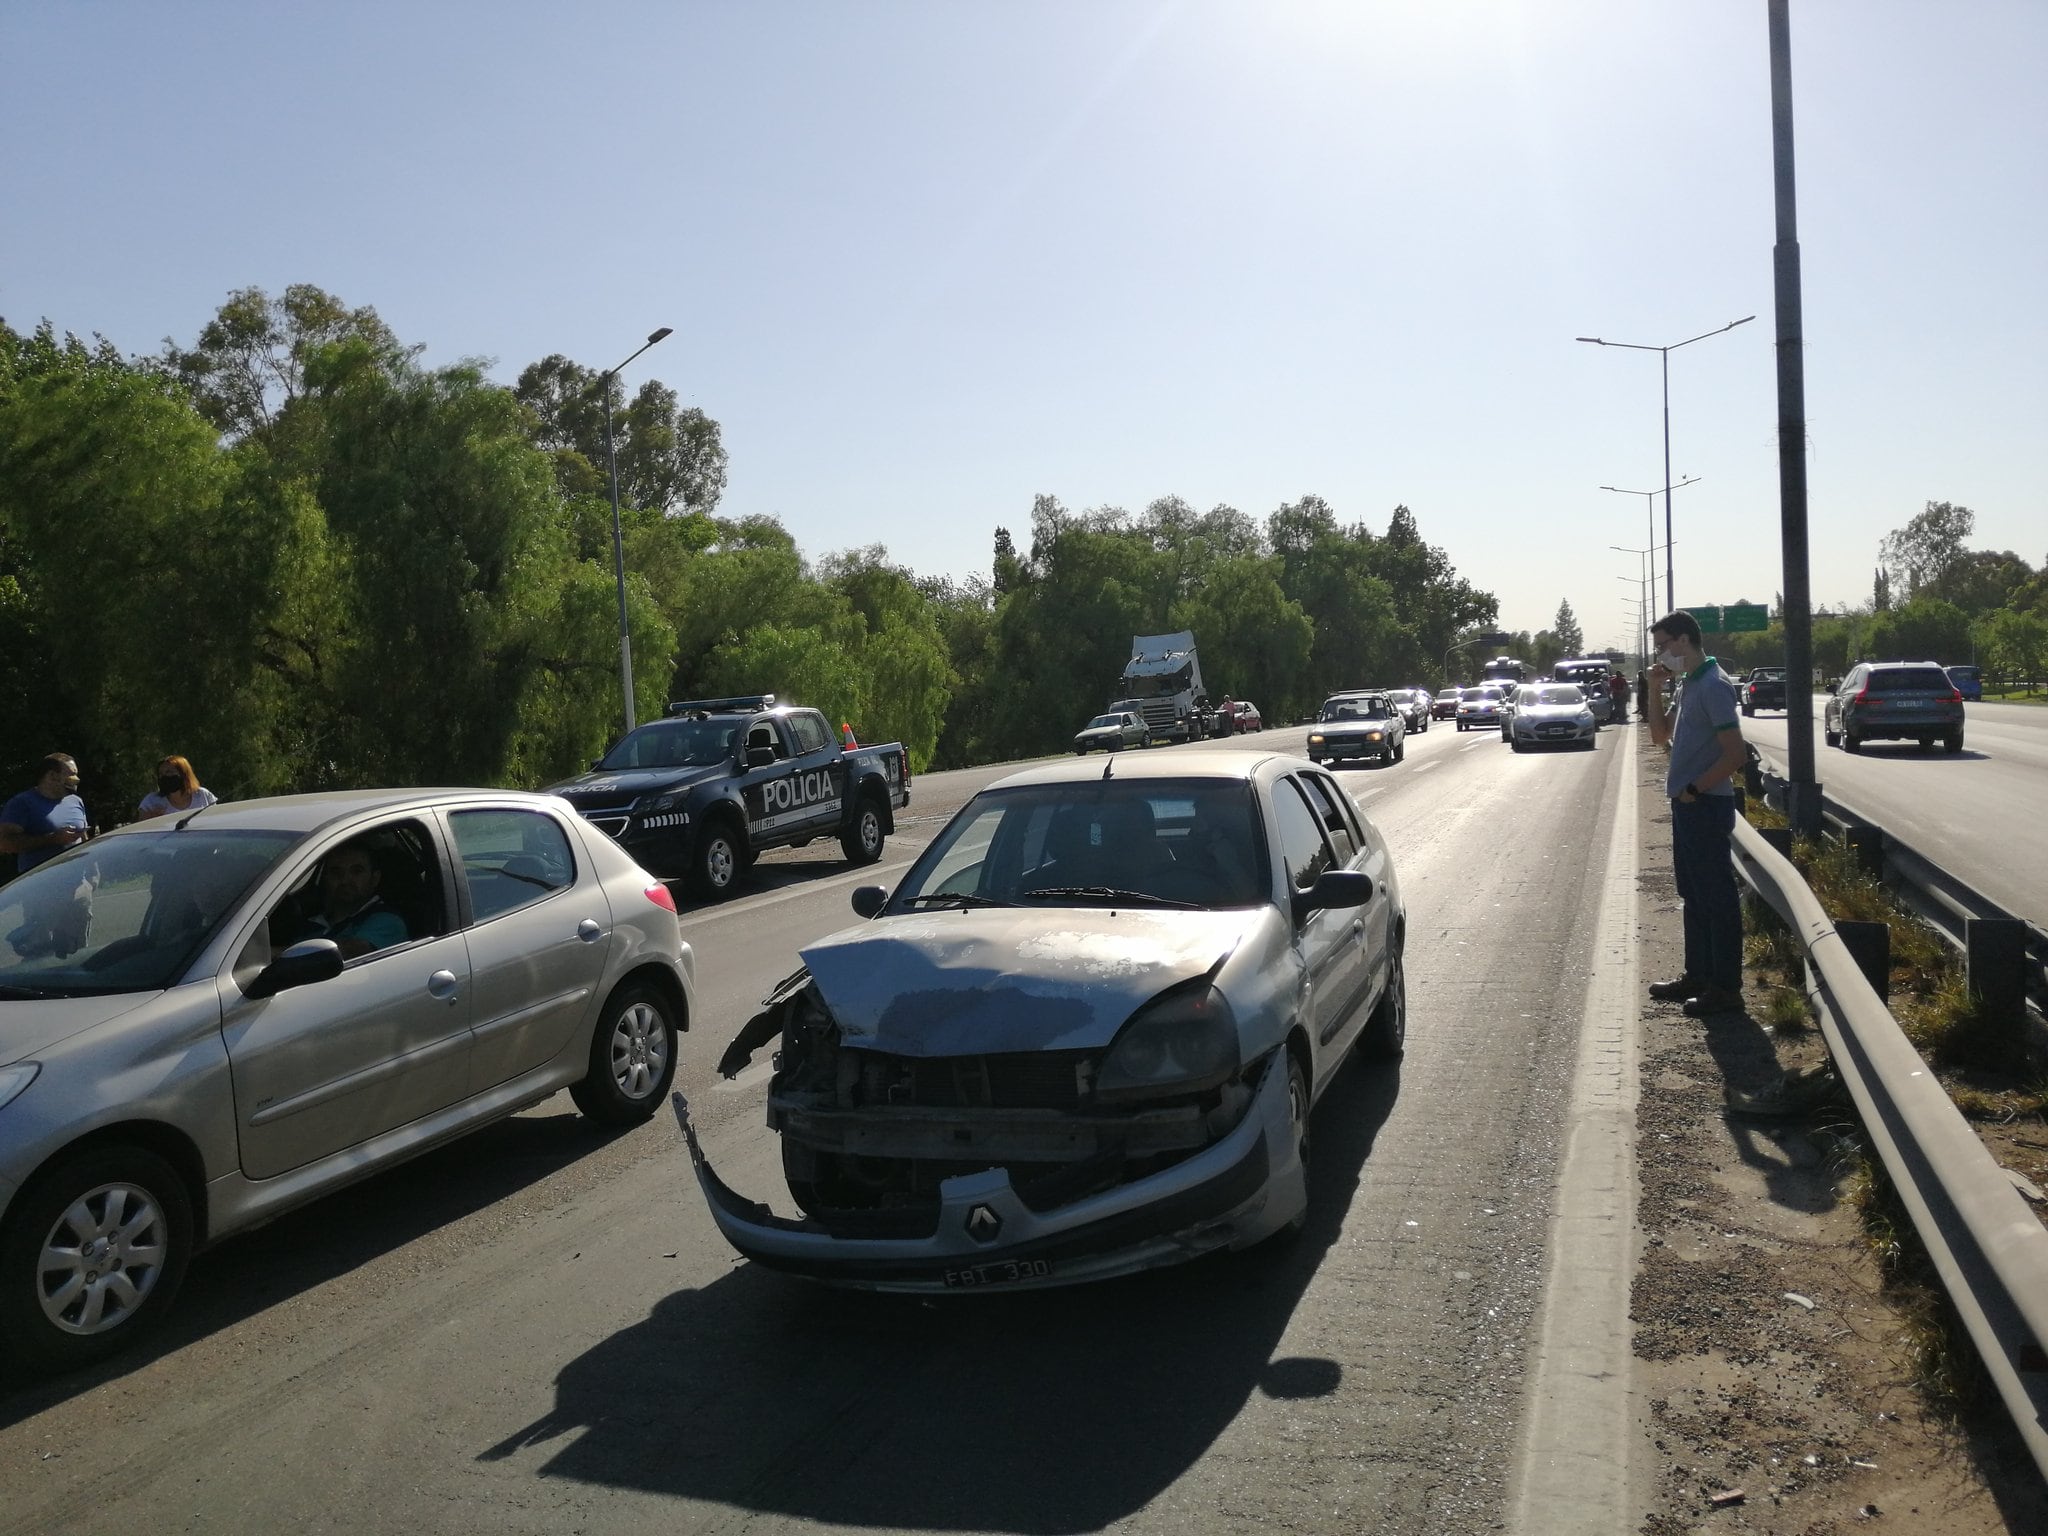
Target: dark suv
<point>1896,701</point>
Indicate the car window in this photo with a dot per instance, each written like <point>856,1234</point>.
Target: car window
<point>1328,802</point>
<point>1302,846</point>
<point>125,914</point>
<point>811,735</point>
<point>674,744</point>
<point>762,733</point>
<point>1908,680</point>
<point>1180,841</point>
<point>511,858</point>
<point>371,892</point>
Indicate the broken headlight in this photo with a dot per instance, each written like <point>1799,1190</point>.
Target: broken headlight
<point>1182,1042</point>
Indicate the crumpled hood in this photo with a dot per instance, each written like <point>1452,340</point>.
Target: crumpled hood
<point>985,979</point>
<point>618,786</point>
<point>29,1025</point>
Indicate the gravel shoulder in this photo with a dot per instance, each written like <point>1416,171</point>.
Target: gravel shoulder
<point>1772,1376</point>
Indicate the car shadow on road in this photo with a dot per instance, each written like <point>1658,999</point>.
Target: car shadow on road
<point>1908,749</point>
<point>308,1247</point>
<point>1040,1412</point>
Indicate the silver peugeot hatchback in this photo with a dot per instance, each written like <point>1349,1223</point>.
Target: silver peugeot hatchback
<point>208,1019</point>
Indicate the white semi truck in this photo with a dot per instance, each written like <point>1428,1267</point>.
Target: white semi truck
<point>1162,684</point>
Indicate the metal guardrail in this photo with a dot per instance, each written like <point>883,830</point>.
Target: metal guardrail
<point>1988,1247</point>
<point>1947,904</point>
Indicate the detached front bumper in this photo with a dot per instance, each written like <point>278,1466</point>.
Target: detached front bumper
<point>1222,1196</point>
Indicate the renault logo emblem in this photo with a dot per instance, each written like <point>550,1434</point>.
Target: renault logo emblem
<point>983,1224</point>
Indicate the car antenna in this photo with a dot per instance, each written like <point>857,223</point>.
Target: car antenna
<point>181,826</point>
<point>1108,762</point>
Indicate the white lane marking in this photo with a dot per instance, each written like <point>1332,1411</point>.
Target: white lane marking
<point>1572,1467</point>
<point>1424,767</point>
<point>1367,794</point>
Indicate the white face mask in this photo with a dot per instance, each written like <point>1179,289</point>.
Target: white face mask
<point>1672,660</point>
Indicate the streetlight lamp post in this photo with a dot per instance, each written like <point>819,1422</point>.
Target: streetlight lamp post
<point>1644,581</point>
<point>1650,511</point>
<point>1670,601</point>
<point>611,460</point>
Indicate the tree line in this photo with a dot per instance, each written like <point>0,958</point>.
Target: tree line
<point>1933,598</point>
<point>295,554</point>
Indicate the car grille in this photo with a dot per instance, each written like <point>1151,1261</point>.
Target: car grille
<point>1018,1080</point>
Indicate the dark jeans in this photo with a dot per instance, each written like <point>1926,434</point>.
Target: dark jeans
<point>1700,834</point>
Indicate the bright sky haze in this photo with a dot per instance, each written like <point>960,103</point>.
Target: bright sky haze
<point>925,260</point>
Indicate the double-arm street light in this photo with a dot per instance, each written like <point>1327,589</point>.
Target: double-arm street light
<point>611,460</point>
<point>1670,601</point>
<point>1650,511</point>
<point>1645,582</point>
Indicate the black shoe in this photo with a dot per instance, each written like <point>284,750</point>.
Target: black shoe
<point>1713,1000</point>
<point>1674,991</point>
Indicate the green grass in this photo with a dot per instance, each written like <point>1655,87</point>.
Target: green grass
<point>2014,696</point>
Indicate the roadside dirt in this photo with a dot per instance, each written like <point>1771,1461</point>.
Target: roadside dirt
<point>1773,1374</point>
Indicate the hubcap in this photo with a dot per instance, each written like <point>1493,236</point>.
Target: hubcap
<point>639,1050</point>
<point>870,831</point>
<point>718,862</point>
<point>101,1259</point>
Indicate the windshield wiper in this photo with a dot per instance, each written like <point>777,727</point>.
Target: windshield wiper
<point>955,898</point>
<point>27,994</point>
<point>1110,893</point>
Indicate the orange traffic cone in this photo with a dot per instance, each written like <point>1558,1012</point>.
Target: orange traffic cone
<point>848,730</point>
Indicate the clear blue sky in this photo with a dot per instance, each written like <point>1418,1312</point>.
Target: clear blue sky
<point>925,260</point>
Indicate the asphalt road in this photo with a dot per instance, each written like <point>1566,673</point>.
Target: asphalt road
<point>1981,814</point>
<point>539,1329</point>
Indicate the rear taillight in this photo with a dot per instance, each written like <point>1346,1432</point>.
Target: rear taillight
<point>1955,695</point>
<point>1863,696</point>
<point>658,894</point>
<point>903,757</point>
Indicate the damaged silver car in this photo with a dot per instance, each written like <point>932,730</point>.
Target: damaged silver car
<point>1085,1034</point>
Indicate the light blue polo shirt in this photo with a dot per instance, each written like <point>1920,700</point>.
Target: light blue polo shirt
<point>1706,707</point>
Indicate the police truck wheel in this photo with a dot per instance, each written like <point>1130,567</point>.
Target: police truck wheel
<point>716,863</point>
<point>862,842</point>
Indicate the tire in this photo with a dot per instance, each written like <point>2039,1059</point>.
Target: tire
<point>1461,727</point>
<point>1851,742</point>
<point>139,1215</point>
<point>1401,750</point>
<point>1299,1105</point>
<point>862,842</point>
<point>1953,743</point>
<point>716,860</point>
<point>1926,743</point>
<point>1385,1035</point>
<point>1515,743</point>
<point>1748,711</point>
<point>1832,738</point>
<point>632,1058</point>
<point>1080,751</point>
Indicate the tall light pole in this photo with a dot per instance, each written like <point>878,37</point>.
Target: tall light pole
<point>1644,581</point>
<point>611,460</point>
<point>1650,511</point>
<point>1670,601</point>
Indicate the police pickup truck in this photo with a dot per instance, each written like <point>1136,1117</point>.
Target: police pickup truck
<point>700,793</point>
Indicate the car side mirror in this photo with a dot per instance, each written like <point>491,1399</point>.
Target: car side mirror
<point>1334,888</point>
<point>760,757</point>
<point>868,900</point>
<point>307,961</point>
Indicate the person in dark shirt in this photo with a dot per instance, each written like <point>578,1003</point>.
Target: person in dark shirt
<point>42,821</point>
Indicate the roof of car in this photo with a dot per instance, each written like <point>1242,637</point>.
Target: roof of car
<point>309,813</point>
<point>1219,764</point>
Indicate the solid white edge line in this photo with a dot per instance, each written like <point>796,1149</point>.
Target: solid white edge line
<point>1572,1470</point>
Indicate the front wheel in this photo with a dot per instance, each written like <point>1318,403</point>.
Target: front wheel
<point>632,1058</point>
<point>716,863</point>
<point>862,842</point>
<point>1401,749</point>
<point>1385,1034</point>
<point>1298,1107</point>
<point>92,1257</point>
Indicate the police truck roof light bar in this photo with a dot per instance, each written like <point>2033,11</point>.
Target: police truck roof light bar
<point>722,706</point>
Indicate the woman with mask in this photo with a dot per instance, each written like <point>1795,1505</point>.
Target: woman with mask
<point>177,789</point>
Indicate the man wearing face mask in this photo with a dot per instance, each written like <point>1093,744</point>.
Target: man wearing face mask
<point>1704,733</point>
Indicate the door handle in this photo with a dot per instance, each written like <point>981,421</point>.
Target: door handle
<point>442,986</point>
<point>1358,928</point>
<point>588,931</point>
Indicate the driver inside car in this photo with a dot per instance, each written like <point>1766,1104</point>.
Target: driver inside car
<point>351,911</point>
